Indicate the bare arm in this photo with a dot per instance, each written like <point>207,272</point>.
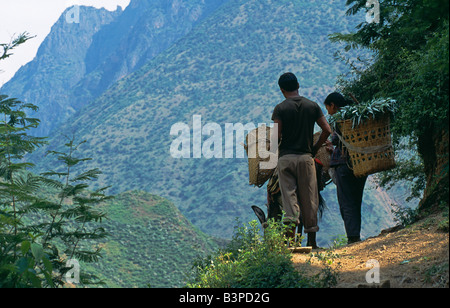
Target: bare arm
<point>274,141</point>
<point>279,128</point>
<point>326,132</point>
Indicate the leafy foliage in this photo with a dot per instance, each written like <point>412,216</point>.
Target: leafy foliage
<point>33,252</point>
<point>410,49</point>
<point>73,214</point>
<point>19,264</point>
<point>359,113</point>
<point>252,261</point>
<point>15,42</point>
<point>410,61</point>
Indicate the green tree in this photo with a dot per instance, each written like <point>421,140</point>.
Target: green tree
<point>410,48</point>
<point>39,232</point>
<point>21,258</point>
<point>45,220</point>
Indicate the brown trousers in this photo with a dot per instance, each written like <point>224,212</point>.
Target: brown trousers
<point>299,191</point>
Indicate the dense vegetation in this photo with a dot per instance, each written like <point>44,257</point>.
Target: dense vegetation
<point>38,252</point>
<point>410,47</point>
<point>252,260</point>
<point>151,244</point>
<point>51,219</point>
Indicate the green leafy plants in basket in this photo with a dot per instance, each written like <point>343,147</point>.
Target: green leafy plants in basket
<point>361,112</point>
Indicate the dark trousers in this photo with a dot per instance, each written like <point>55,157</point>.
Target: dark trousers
<point>350,190</point>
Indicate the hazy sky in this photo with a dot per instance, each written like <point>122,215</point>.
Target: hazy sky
<point>36,17</point>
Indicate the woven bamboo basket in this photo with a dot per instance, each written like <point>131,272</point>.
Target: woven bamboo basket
<point>257,174</point>
<point>369,145</point>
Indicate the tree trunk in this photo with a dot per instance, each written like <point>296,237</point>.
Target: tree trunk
<point>433,147</point>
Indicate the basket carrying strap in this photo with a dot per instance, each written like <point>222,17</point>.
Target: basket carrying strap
<point>364,150</point>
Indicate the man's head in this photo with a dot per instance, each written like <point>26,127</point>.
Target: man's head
<point>288,84</point>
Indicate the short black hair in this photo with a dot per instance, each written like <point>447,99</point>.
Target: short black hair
<point>338,99</point>
<point>288,82</point>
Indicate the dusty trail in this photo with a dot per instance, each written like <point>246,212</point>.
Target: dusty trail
<point>414,257</point>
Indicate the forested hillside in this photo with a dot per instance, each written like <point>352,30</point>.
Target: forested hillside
<point>151,244</point>
<point>226,70</point>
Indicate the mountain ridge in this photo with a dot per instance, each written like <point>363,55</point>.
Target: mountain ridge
<point>149,28</point>
<point>58,66</point>
<point>109,51</point>
<point>224,70</point>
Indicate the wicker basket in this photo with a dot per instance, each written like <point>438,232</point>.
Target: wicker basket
<point>325,159</point>
<point>369,145</point>
<point>259,176</point>
<point>323,155</point>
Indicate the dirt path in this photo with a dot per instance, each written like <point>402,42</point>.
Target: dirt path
<point>415,257</point>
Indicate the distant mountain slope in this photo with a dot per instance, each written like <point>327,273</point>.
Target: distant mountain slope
<point>58,66</point>
<point>144,30</point>
<point>150,244</point>
<point>225,70</point>
<point>78,62</point>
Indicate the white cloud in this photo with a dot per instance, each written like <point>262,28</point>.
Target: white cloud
<point>36,18</point>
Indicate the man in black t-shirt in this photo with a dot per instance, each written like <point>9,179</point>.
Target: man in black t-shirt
<point>296,117</point>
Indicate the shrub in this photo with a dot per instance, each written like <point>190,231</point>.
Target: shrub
<point>251,261</point>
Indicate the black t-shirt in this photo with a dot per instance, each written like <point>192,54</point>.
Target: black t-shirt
<point>298,116</point>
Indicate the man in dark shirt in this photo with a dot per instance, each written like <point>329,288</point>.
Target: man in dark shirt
<point>296,117</point>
